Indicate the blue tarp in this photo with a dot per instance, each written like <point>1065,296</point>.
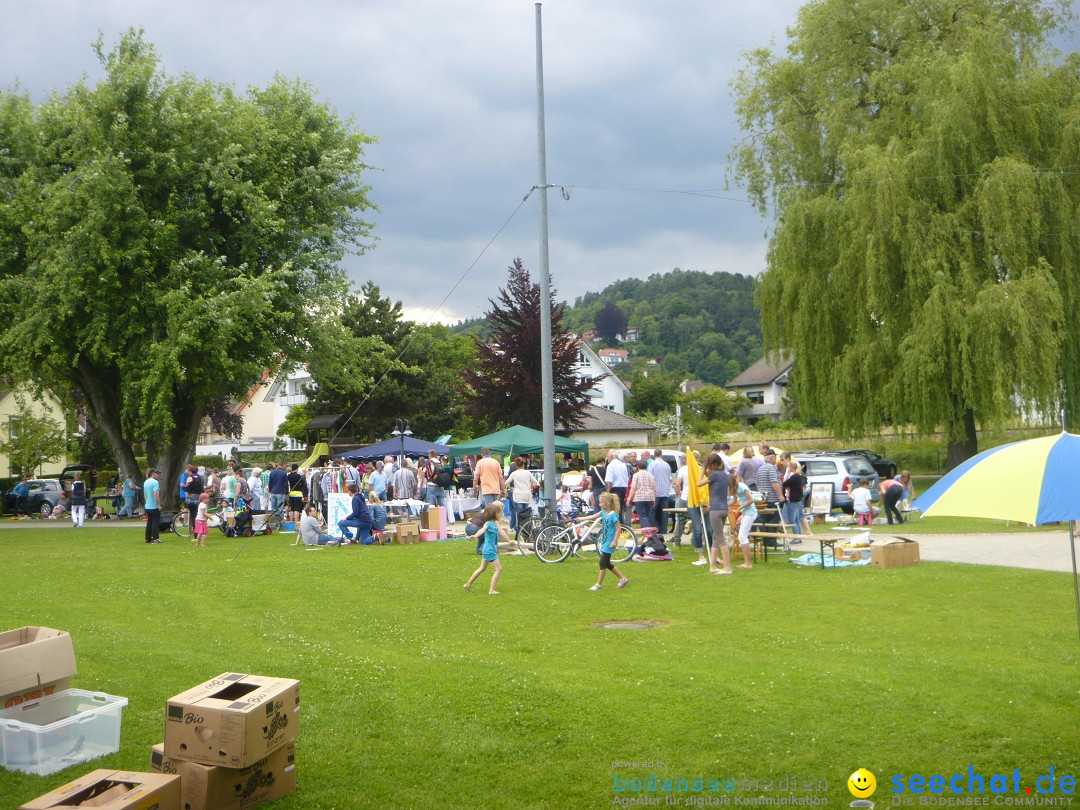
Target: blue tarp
<point>414,448</point>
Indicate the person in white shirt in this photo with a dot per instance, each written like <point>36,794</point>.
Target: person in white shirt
<point>256,487</point>
<point>521,485</point>
<point>617,479</point>
<point>682,490</point>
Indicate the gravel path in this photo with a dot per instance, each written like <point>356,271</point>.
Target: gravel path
<point>1046,551</point>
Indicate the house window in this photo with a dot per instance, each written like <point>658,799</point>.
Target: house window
<point>756,397</point>
<point>13,427</point>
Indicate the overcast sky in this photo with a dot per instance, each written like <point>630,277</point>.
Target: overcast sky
<point>637,99</point>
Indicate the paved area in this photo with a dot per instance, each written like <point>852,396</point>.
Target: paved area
<point>1046,551</point>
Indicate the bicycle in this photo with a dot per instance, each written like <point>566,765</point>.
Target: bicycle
<point>556,543</point>
<point>528,528</point>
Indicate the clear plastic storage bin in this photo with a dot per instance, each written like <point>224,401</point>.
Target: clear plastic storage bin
<point>60,730</point>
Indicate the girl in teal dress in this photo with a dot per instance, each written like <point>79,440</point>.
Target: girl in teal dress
<point>493,532</point>
<point>609,530</point>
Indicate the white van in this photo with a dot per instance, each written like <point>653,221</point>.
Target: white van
<point>674,458</point>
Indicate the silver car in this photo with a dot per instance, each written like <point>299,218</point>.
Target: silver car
<point>842,471</point>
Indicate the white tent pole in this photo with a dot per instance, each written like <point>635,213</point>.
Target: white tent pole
<point>1076,582</point>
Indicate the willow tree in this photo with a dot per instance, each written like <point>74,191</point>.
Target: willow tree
<point>164,239</point>
<point>922,159</point>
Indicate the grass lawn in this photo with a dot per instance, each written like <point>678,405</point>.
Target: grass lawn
<point>416,694</point>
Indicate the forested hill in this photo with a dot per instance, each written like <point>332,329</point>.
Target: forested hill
<point>699,325</point>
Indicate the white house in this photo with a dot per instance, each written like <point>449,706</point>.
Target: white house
<point>610,393</point>
<point>264,408</point>
<point>764,384</point>
<point>614,356</point>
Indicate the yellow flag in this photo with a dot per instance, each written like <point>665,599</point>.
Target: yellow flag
<point>695,496</point>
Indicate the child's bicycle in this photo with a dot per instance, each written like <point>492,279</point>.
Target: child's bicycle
<point>555,543</point>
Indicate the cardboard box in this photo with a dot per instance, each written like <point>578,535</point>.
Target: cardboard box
<point>894,552</point>
<point>108,789</point>
<point>210,787</point>
<point>232,720</point>
<point>34,662</point>
<point>434,519</point>
<point>407,533</point>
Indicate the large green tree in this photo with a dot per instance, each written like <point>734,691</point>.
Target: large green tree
<point>164,239</point>
<point>922,159</point>
<point>404,370</point>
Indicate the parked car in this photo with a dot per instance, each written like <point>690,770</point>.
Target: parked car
<point>841,471</point>
<point>463,474</point>
<point>882,466</point>
<point>45,493</point>
<point>67,475</point>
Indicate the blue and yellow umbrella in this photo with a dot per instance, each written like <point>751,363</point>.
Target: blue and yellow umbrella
<point>1032,481</point>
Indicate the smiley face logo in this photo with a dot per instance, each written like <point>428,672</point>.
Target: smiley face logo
<point>862,784</point>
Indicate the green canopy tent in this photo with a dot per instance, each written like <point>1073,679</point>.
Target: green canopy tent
<point>517,440</point>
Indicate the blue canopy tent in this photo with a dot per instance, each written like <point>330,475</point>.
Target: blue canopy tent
<point>414,448</point>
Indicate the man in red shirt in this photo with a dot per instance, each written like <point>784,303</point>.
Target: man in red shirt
<point>488,476</point>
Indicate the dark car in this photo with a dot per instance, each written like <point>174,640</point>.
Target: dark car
<point>67,475</point>
<point>882,466</point>
<point>463,475</point>
<point>45,493</point>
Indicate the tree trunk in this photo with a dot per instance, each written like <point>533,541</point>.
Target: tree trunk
<point>177,448</point>
<point>105,412</point>
<point>960,451</point>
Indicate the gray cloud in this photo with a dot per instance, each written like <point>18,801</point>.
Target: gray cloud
<point>637,102</point>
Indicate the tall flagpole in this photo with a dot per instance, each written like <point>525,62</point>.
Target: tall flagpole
<point>545,284</point>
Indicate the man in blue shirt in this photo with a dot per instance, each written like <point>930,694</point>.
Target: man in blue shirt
<point>151,490</point>
<point>661,471</point>
<point>359,518</point>
<point>20,491</point>
<point>279,485</point>
<point>378,481</point>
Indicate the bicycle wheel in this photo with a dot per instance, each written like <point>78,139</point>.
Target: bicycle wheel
<point>273,521</point>
<point>180,523</point>
<point>527,529</point>
<point>553,543</point>
<point>524,534</point>
<point>625,544</point>
<point>587,547</point>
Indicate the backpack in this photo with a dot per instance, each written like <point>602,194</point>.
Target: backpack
<point>444,478</point>
<point>655,545</point>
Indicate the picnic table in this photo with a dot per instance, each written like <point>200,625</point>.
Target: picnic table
<point>828,541</point>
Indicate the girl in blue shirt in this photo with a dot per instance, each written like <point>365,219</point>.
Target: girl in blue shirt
<point>609,530</point>
<point>493,532</point>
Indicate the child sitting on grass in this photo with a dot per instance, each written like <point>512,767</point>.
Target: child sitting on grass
<point>609,530</point>
<point>493,532</point>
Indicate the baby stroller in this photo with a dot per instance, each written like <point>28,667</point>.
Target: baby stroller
<point>245,522</point>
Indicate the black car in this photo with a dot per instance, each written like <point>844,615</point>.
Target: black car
<point>45,493</point>
<point>882,466</point>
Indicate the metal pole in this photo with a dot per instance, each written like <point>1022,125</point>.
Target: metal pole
<point>546,393</point>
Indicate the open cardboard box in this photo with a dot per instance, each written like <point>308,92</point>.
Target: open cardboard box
<point>108,789</point>
<point>232,720</point>
<point>211,787</point>
<point>34,662</point>
<point>407,533</point>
